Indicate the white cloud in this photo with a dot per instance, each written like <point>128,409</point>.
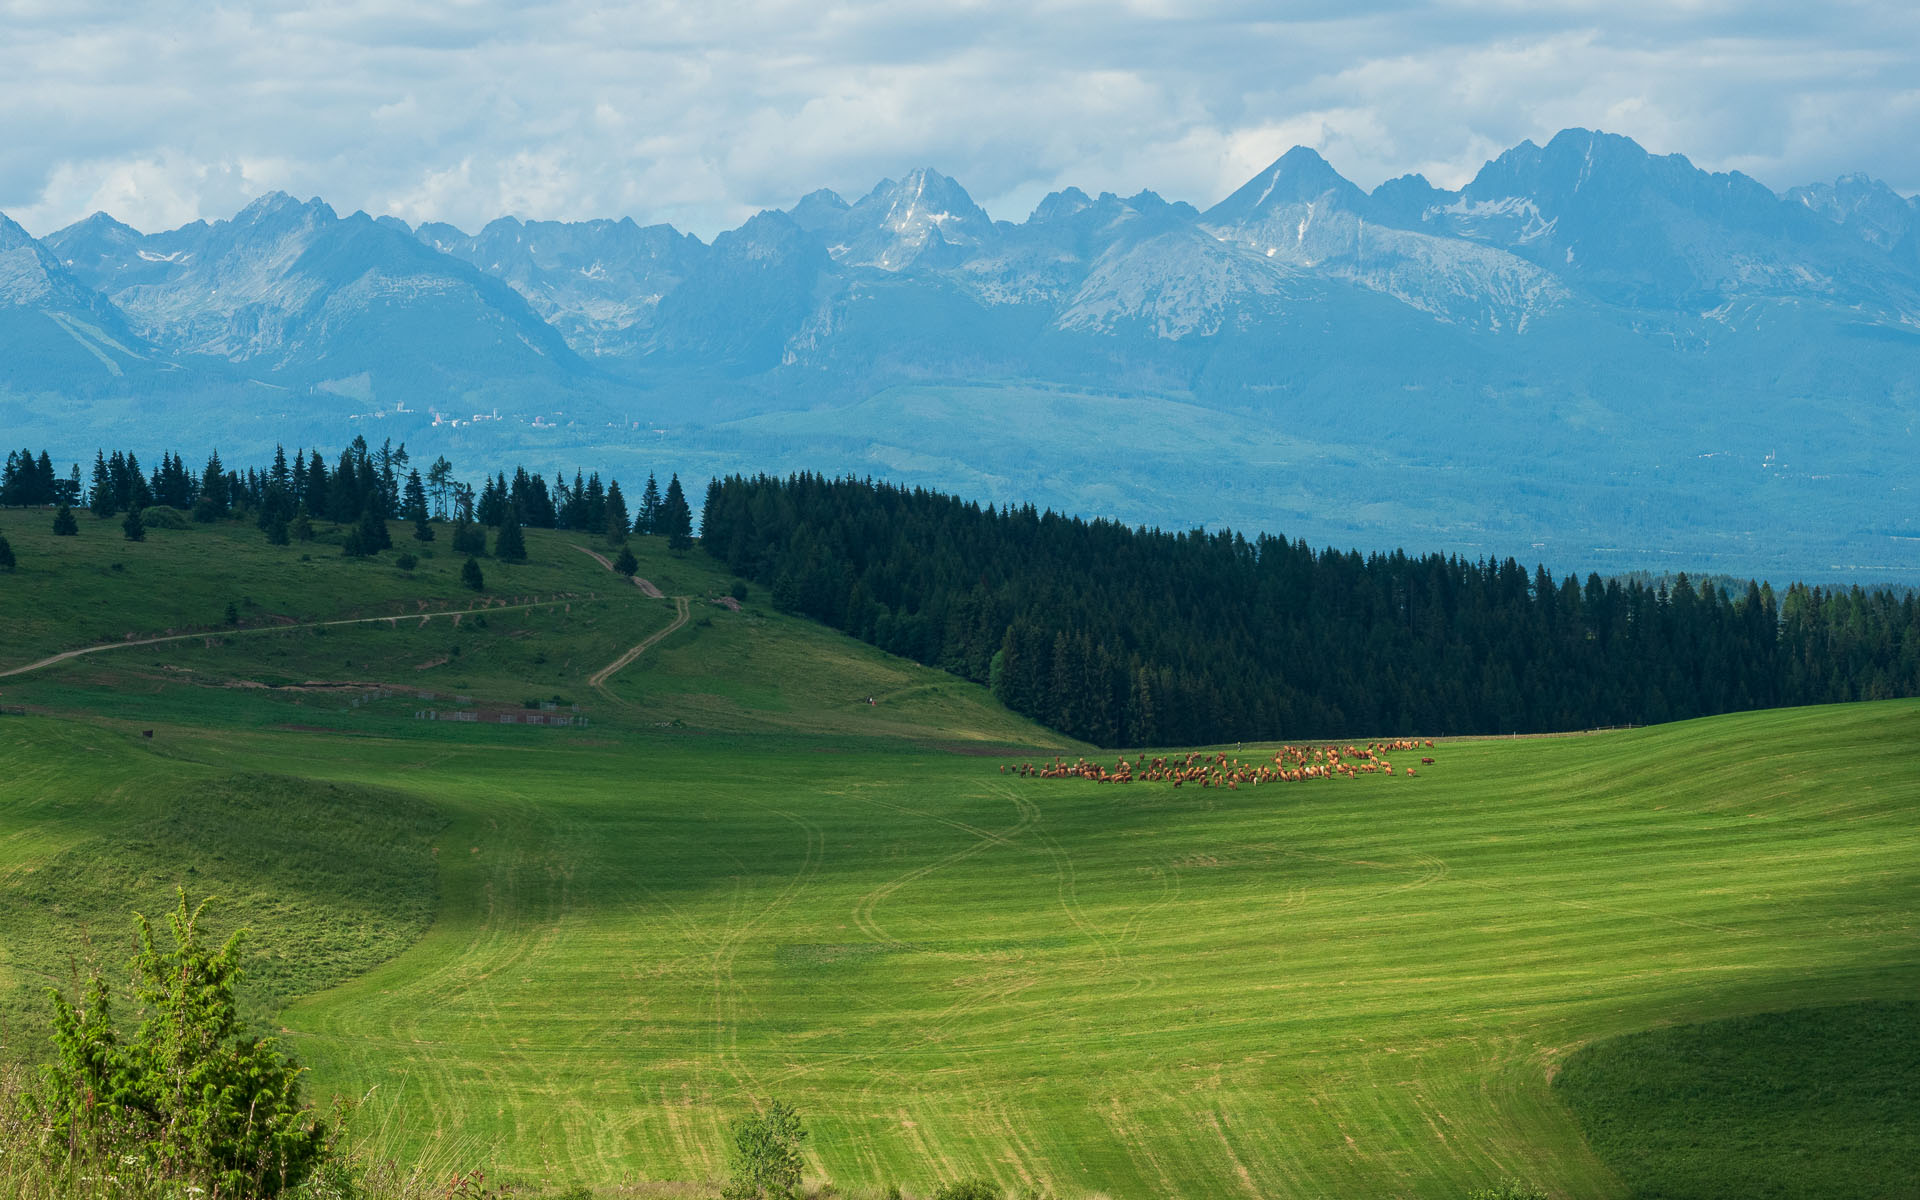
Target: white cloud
<point>698,115</point>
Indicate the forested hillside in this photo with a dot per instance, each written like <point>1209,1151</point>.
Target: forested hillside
<point>1126,636</point>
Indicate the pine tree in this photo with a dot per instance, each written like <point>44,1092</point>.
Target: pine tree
<point>63,523</point>
<point>133,527</point>
<point>617,520</point>
<point>369,536</point>
<point>414,508</point>
<point>470,575</point>
<point>675,519</point>
<point>626,564</point>
<point>510,546</point>
<point>649,507</point>
<point>100,499</point>
<point>468,538</point>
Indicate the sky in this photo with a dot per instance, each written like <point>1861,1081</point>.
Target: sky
<point>700,114</point>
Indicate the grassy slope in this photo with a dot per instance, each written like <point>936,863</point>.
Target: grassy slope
<point>1344,989</point>
<point>1781,1106</point>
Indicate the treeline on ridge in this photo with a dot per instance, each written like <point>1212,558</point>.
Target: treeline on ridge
<point>1134,637</point>
<point>364,484</point>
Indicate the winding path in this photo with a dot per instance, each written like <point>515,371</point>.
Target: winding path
<point>646,586</point>
<point>420,617</point>
<point>681,611</point>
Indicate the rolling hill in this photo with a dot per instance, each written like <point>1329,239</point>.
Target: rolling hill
<point>571,953</point>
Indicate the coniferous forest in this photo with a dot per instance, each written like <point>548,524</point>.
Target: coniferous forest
<point>1122,636</point>
<point>1134,637</point>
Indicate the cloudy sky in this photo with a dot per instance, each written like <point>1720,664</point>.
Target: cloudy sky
<point>700,114</point>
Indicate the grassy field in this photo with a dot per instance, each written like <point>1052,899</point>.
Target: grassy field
<point>1815,1102</point>
<point>741,881</point>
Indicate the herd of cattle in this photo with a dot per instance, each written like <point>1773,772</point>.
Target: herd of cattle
<point>1290,764</point>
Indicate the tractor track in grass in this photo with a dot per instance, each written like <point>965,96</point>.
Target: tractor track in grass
<point>421,618</point>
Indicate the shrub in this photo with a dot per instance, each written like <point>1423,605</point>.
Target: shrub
<point>739,590</point>
<point>6,555</point>
<point>134,528</point>
<point>626,564</point>
<point>189,1094</point>
<point>469,538</point>
<point>967,1189</point>
<point>470,575</point>
<point>63,523</point>
<point>159,516</point>
<point>765,1156</point>
<point>406,562</point>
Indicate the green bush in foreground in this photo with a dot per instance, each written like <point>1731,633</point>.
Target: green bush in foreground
<point>189,1097</point>
<point>764,1158</point>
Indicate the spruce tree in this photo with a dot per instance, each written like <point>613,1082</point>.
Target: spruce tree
<point>133,527</point>
<point>510,546</point>
<point>369,536</point>
<point>649,507</point>
<point>6,555</point>
<point>413,501</point>
<point>100,498</point>
<point>617,521</point>
<point>470,575</point>
<point>675,519</point>
<point>468,538</point>
<point>63,523</point>
<point>626,564</point>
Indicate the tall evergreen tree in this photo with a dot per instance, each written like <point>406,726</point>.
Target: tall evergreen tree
<point>675,519</point>
<point>101,498</point>
<point>510,546</point>
<point>649,507</point>
<point>313,493</point>
<point>414,508</point>
<point>63,523</point>
<point>133,528</point>
<point>616,521</point>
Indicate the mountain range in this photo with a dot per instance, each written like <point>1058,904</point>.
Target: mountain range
<point>1587,351</point>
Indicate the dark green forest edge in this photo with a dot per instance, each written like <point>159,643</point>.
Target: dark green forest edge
<point>1137,637</point>
<point>1125,636</point>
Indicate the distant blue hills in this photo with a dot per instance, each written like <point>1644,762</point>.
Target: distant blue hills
<point>1588,355</point>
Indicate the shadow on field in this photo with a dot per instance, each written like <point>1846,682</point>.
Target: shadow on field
<point>1804,1104</point>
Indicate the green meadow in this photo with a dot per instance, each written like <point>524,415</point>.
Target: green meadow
<point>573,955</point>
